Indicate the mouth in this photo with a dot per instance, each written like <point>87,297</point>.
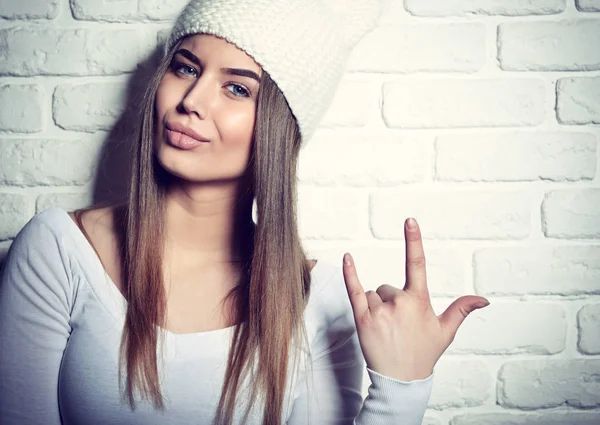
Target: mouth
<point>183,141</point>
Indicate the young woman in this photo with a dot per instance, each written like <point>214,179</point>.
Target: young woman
<point>177,307</point>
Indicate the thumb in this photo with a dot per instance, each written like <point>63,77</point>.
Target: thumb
<point>456,313</point>
<point>356,293</point>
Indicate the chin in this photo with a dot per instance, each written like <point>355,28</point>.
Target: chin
<point>201,165</point>
<point>181,168</point>
<point>187,166</point>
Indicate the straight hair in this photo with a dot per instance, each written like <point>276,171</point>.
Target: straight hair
<point>269,300</point>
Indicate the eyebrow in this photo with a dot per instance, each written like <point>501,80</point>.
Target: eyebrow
<point>231,71</point>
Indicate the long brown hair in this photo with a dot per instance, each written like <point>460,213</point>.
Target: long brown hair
<point>269,300</point>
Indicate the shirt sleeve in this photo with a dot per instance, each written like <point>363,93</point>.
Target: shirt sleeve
<point>333,394</point>
<point>35,300</point>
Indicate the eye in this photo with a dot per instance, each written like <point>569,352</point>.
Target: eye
<point>239,90</point>
<point>180,68</point>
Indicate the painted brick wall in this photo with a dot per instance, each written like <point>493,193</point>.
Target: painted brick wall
<point>479,118</point>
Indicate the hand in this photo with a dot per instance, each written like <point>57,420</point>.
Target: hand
<point>400,334</point>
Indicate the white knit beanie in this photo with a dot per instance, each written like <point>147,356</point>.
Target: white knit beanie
<point>304,45</point>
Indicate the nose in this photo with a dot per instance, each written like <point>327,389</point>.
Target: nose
<point>199,97</point>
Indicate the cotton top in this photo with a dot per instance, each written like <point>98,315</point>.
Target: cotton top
<point>61,321</point>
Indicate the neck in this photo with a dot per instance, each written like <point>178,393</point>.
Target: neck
<point>210,222</point>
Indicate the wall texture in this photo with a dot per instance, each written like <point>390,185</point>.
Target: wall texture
<point>479,118</point>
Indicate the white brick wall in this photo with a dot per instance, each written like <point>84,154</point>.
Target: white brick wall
<point>479,118</point>
<point>578,100</point>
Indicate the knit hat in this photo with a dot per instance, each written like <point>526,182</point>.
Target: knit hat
<point>304,45</point>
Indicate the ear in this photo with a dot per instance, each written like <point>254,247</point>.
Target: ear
<point>357,17</point>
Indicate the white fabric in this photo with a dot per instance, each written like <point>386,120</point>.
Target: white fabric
<point>304,45</point>
<point>61,320</point>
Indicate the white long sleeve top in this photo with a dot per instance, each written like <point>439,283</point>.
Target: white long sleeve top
<point>61,320</point>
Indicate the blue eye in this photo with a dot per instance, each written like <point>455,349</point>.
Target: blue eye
<point>239,90</point>
<point>178,66</point>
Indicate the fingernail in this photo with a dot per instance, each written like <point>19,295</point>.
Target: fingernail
<point>412,223</point>
<point>481,304</point>
<point>347,260</point>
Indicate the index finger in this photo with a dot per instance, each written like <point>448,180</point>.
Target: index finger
<point>416,276</point>
<point>356,293</point>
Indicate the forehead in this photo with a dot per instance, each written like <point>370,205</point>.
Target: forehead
<point>210,48</point>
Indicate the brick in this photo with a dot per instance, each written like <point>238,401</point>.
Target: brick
<point>460,383</point>
<point>362,160</point>
<point>21,107</point>
<point>535,384</point>
<point>588,324</point>
<point>526,270</point>
<point>439,103</point>
<point>126,10</point>
<point>47,162</point>
<point>36,50</point>
<point>15,212</point>
<point>29,9</point>
<point>549,46</point>
<point>516,157</point>
<point>525,418</point>
<point>423,47</point>
<point>430,420</point>
<point>588,5</point>
<point>578,100</point>
<point>353,104</point>
<point>160,9</point>
<point>332,214</point>
<point>88,107</point>
<point>457,214</point>
<point>512,328</point>
<point>572,213</point>
<point>377,265</point>
<point>98,10</point>
<point>66,201</point>
<point>483,7</point>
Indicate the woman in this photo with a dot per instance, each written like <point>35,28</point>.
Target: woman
<point>176,307</point>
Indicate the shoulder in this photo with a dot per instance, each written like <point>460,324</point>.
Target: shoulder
<point>97,223</point>
<point>42,228</point>
<point>54,233</point>
<point>56,223</point>
<point>41,270</point>
<point>39,252</point>
<point>96,217</point>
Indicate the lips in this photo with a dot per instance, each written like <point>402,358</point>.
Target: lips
<point>183,137</point>
<point>183,141</point>
<point>180,128</point>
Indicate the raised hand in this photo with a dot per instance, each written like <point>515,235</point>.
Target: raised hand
<point>400,334</point>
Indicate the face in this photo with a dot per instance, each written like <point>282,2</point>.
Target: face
<point>210,92</point>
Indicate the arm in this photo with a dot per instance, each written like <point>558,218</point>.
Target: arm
<point>334,395</point>
<point>34,326</point>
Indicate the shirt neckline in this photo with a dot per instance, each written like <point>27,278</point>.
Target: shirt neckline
<point>114,301</point>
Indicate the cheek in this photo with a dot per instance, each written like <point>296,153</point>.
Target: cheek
<point>236,127</point>
<point>162,101</point>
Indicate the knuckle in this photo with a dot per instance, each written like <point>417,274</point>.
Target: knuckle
<point>382,316</point>
<point>396,300</point>
<point>463,311</point>
<point>416,263</point>
<point>378,312</point>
